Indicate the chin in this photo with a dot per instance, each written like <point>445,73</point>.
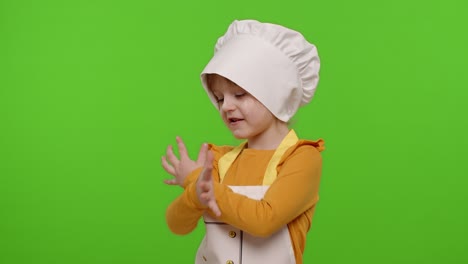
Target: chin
<point>239,135</point>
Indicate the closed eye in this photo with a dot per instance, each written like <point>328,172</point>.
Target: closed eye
<point>239,95</point>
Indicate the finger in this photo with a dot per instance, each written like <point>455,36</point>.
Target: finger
<point>202,154</point>
<point>182,149</point>
<point>205,187</point>
<point>205,197</point>
<point>214,207</point>
<point>170,182</point>
<point>171,156</point>
<point>205,176</point>
<point>167,167</point>
<point>208,167</point>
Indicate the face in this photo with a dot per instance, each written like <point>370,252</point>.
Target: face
<point>242,113</point>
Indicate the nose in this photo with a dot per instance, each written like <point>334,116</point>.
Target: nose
<point>228,104</point>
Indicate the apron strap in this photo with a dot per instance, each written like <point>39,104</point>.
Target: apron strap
<point>270,173</point>
<point>227,159</point>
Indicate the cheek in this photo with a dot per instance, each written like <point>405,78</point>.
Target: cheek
<point>257,110</point>
<point>261,109</point>
<point>250,104</point>
<point>223,116</point>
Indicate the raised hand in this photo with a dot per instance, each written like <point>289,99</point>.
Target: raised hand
<point>205,188</point>
<point>180,168</point>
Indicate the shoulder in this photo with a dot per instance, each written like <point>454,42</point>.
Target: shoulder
<point>306,150</point>
<point>219,151</point>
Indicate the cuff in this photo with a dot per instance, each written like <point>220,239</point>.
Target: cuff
<point>192,177</point>
<point>191,194</point>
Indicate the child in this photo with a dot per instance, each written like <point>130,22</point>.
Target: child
<point>257,199</point>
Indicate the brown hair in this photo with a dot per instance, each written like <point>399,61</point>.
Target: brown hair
<point>210,76</point>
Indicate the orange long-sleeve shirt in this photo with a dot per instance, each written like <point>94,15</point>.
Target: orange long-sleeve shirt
<point>290,200</point>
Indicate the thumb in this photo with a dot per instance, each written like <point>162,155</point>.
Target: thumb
<point>202,154</point>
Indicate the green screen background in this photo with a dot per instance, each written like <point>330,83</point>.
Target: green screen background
<point>92,92</point>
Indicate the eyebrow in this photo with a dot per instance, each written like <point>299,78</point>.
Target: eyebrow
<point>217,97</point>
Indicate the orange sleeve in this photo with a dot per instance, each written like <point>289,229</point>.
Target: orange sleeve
<point>293,192</point>
<point>183,213</point>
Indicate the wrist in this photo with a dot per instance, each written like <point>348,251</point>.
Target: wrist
<point>191,190</point>
<point>191,178</point>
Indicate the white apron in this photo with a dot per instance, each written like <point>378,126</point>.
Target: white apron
<point>225,244</point>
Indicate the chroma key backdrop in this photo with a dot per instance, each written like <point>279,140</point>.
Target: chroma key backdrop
<point>93,92</point>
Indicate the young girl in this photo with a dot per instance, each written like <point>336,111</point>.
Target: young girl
<point>257,199</point>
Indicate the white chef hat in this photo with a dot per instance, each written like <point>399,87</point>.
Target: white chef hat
<point>274,64</point>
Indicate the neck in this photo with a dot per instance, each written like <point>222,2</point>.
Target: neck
<point>269,139</point>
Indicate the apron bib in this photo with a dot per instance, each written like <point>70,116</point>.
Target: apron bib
<point>224,243</point>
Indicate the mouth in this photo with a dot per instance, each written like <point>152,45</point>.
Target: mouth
<point>234,121</point>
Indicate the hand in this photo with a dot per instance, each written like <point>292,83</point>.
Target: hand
<point>205,188</point>
<point>180,168</point>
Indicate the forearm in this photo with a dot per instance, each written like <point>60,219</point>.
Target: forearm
<point>183,213</point>
<point>260,217</point>
<point>293,192</point>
